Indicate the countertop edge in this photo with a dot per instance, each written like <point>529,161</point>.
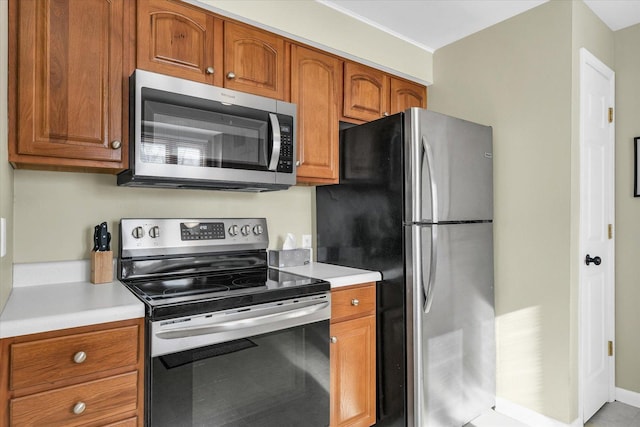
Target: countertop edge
<point>338,276</point>
<point>34,325</point>
<point>35,307</point>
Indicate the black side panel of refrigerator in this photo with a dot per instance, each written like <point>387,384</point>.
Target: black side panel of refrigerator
<point>359,224</point>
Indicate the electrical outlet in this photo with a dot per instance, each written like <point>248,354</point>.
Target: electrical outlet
<point>306,241</point>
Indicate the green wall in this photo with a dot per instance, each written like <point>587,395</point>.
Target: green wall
<point>6,173</point>
<point>627,66</point>
<point>521,76</point>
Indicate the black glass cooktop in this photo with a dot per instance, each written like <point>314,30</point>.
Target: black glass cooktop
<point>217,291</point>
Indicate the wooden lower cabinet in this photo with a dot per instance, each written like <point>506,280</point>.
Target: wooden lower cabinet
<point>87,376</point>
<point>353,356</point>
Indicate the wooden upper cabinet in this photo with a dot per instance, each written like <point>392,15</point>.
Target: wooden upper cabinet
<point>405,94</point>
<point>179,40</point>
<point>370,94</point>
<point>366,92</point>
<point>316,87</point>
<point>254,61</point>
<point>68,70</point>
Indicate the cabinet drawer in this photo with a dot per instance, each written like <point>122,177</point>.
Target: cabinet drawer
<point>129,422</point>
<point>51,360</point>
<point>102,398</point>
<point>353,301</point>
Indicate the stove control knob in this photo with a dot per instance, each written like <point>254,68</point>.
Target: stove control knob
<point>154,232</point>
<point>138,232</point>
<point>245,230</point>
<point>233,230</point>
<point>257,230</point>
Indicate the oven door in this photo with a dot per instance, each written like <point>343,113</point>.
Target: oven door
<point>271,367</point>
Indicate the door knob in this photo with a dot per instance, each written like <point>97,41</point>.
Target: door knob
<point>596,260</point>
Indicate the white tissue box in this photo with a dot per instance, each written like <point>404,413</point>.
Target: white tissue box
<point>289,257</point>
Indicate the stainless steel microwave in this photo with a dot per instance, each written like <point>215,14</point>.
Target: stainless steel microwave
<point>185,134</point>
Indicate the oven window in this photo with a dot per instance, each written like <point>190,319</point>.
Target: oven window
<point>275,379</point>
<point>177,134</point>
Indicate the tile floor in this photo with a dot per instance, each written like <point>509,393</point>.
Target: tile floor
<point>615,414</point>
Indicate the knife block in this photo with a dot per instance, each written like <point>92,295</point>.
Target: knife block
<point>101,267</point>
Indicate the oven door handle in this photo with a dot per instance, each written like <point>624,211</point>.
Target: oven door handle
<point>271,315</point>
<point>276,139</point>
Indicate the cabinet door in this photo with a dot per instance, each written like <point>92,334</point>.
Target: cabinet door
<point>353,381</point>
<point>254,61</point>
<point>406,94</point>
<point>178,40</point>
<point>67,80</point>
<point>316,87</point>
<point>366,92</point>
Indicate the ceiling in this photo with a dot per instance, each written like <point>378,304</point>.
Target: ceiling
<point>432,24</point>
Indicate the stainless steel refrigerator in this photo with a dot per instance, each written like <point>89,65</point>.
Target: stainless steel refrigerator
<point>415,202</point>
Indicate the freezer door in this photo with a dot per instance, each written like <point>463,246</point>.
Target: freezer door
<point>451,323</point>
<point>449,173</point>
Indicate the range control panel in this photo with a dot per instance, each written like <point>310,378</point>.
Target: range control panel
<point>164,236</point>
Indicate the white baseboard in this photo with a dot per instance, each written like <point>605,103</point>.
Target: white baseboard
<point>628,397</point>
<point>528,416</point>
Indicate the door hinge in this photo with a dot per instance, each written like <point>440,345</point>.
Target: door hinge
<point>610,114</point>
<point>610,348</point>
<point>610,231</point>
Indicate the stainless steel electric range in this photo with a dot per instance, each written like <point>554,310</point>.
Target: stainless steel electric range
<point>229,341</point>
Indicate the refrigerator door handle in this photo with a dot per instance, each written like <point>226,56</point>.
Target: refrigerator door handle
<point>427,161</point>
<point>429,289</point>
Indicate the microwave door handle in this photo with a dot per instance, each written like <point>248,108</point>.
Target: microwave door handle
<point>275,151</point>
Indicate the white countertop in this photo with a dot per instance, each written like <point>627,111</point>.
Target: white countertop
<point>36,307</point>
<point>335,274</point>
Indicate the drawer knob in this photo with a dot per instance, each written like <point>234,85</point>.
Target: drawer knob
<point>334,340</point>
<point>79,408</point>
<point>355,302</point>
<point>80,357</point>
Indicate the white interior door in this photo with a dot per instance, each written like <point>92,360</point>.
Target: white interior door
<point>596,284</point>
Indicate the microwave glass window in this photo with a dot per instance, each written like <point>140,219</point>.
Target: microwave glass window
<point>180,135</point>
<point>153,153</point>
<point>190,156</point>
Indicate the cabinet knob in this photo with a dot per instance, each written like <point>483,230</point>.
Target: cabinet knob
<point>116,144</point>
<point>231,75</point>
<point>209,70</point>
<point>355,302</point>
<point>79,408</point>
<point>80,357</point>
<point>334,340</point>
<point>298,163</point>
<point>385,114</point>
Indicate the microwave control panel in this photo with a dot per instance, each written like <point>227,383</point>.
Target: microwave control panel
<point>285,164</point>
